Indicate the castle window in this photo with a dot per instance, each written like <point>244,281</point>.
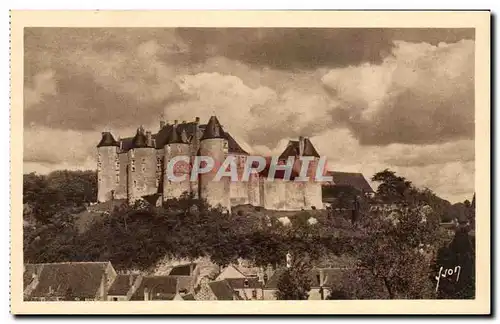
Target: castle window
<point>132,165</point>
<point>135,183</point>
<point>117,179</point>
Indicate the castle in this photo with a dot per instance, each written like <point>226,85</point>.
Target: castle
<point>134,168</point>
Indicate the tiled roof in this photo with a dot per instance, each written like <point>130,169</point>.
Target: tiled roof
<point>355,180</point>
<point>222,290</point>
<point>122,284</point>
<point>239,283</point>
<point>160,287</point>
<point>213,129</point>
<point>107,139</point>
<point>81,279</point>
<point>185,283</point>
<point>182,270</point>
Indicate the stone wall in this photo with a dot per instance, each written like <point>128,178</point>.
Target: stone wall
<point>142,173</point>
<point>107,172</point>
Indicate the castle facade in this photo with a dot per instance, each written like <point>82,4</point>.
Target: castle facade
<point>135,168</point>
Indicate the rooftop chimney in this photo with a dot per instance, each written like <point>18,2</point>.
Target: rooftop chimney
<point>149,139</point>
<point>183,121</point>
<point>162,124</point>
<point>301,145</point>
<point>175,122</point>
<point>197,120</point>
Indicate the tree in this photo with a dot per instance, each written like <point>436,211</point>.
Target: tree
<point>396,247</point>
<point>294,283</point>
<point>392,188</point>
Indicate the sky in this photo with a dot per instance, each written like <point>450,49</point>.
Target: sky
<point>369,99</point>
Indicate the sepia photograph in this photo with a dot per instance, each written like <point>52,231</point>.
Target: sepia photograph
<point>251,164</point>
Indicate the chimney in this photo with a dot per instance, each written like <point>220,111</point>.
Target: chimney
<point>301,145</point>
<point>149,139</point>
<point>175,122</point>
<point>197,120</point>
<point>146,293</point>
<point>183,121</point>
<point>162,124</point>
<point>321,277</point>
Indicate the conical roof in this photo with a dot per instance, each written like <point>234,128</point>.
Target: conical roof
<point>107,139</point>
<point>140,139</point>
<point>213,129</point>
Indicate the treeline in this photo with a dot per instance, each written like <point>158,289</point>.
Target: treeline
<point>46,195</point>
<point>139,236</point>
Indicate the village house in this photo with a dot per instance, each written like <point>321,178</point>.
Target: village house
<point>161,288</point>
<point>75,281</point>
<point>217,290</point>
<point>124,286</point>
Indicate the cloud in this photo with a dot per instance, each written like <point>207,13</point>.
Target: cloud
<point>420,94</point>
<point>446,168</point>
<point>308,48</point>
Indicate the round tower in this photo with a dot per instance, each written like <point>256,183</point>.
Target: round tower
<point>176,146</point>
<point>108,167</point>
<point>214,145</point>
<point>142,179</point>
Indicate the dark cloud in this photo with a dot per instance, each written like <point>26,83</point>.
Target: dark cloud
<point>290,48</point>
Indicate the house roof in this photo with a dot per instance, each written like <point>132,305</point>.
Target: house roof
<point>81,279</point>
<point>161,287</point>
<point>122,284</point>
<point>222,290</point>
<point>182,270</point>
<point>356,180</point>
<point>239,283</point>
<point>293,149</point>
<point>107,139</point>
<point>332,277</point>
<point>213,129</point>
<point>184,283</point>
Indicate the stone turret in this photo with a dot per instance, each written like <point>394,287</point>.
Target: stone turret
<point>142,179</point>
<point>176,146</point>
<point>108,167</point>
<point>214,145</point>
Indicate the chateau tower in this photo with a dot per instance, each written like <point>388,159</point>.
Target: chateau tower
<point>177,145</point>
<point>214,145</point>
<point>108,167</point>
<point>142,179</point>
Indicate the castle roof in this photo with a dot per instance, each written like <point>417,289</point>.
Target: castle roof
<point>107,139</point>
<point>213,129</point>
<point>293,149</point>
<point>352,179</point>
<point>177,136</point>
<point>190,130</point>
<point>140,139</point>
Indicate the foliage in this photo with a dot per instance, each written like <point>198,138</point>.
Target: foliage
<point>295,283</point>
<point>47,195</point>
<point>395,247</point>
